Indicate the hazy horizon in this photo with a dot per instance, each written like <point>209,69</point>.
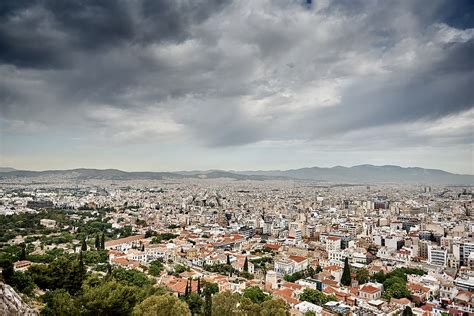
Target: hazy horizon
<point>236,85</point>
<point>229,169</point>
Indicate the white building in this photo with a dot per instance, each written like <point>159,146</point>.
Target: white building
<point>437,255</point>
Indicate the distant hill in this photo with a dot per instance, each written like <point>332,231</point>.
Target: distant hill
<point>372,174</point>
<point>6,169</point>
<point>115,174</point>
<point>356,174</point>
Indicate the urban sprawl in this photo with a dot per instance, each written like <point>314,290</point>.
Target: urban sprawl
<point>229,247</point>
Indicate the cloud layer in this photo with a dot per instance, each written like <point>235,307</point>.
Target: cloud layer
<point>331,75</point>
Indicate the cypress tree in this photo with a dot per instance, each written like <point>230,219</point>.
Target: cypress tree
<point>102,241</point>
<point>84,244</point>
<point>186,290</point>
<point>407,311</point>
<point>346,273</point>
<point>97,242</point>
<point>228,259</point>
<point>208,304</point>
<point>23,252</point>
<point>199,286</point>
<point>246,265</point>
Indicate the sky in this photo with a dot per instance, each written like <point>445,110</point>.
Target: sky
<point>163,85</point>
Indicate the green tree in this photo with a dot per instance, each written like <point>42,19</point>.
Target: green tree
<point>131,277</point>
<point>59,302</point>
<point>362,275</point>
<point>407,311</point>
<point>7,270</point>
<point>195,303</point>
<point>108,298</point>
<point>155,268</point>
<point>310,313</point>
<point>83,244</point>
<point>379,277</point>
<point>162,305</point>
<point>346,273</point>
<point>102,241</point>
<point>319,269</point>
<point>256,295</point>
<point>97,242</point>
<point>65,272</point>
<point>225,304</point>
<point>22,282</point>
<point>316,297</point>
<point>274,308</point>
<point>249,308</point>
<point>23,253</point>
<point>246,265</point>
<point>208,290</point>
<point>396,287</point>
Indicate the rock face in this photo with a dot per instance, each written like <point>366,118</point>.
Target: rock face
<point>11,303</point>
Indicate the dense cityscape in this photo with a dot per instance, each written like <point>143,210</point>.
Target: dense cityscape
<point>228,247</point>
<point>236,157</point>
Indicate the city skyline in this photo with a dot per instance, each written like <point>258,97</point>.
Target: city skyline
<point>236,85</point>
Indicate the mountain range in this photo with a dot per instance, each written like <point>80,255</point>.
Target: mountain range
<point>356,174</point>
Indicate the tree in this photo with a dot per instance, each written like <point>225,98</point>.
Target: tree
<point>225,304</point>
<point>274,308</point>
<point>83,244</point>
<point>23,253</point>
<point>102,241</point>
<point>310,313</point>
<point>65,272</point>
<point>199,286</point>
<point>59,302</point>
<point>155,268</point>
<point>97,242</point>
<point>407,311</point>
<point>7,270</point>
<point>195,303</point>
<point>108,298</point>
<point>362,275</point>
<point>346,273</point>
<point>228,260</point>
<point>249,308</point>
<point>208,290</point>
<point>131,277</point>
<point>379,277</point>
<point>161,305</point>
<point>319,269</point>
<point>256,295</point>
<point>316,297</point>
<point>22,282</point>
<point>311,272</point>
<point>246,265</point>
<point>207,308</point>
<point>187,289</point>
<point>396,287</point>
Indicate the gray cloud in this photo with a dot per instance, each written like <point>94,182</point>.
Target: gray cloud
<point>222,73</point>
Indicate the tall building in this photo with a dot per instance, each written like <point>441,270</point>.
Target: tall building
<point>437,255</point>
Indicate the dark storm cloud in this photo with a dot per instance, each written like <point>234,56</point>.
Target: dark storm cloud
<point>226,73</point>
<point>49,33</point>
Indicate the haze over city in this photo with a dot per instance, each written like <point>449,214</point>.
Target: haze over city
<point>236,85</point>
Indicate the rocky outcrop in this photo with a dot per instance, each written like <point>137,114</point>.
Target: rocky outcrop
<point>11,304</point>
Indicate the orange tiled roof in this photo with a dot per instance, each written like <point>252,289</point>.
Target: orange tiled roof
<point>369,289</point>
<point>123,240</point>
<point>297,258</point>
